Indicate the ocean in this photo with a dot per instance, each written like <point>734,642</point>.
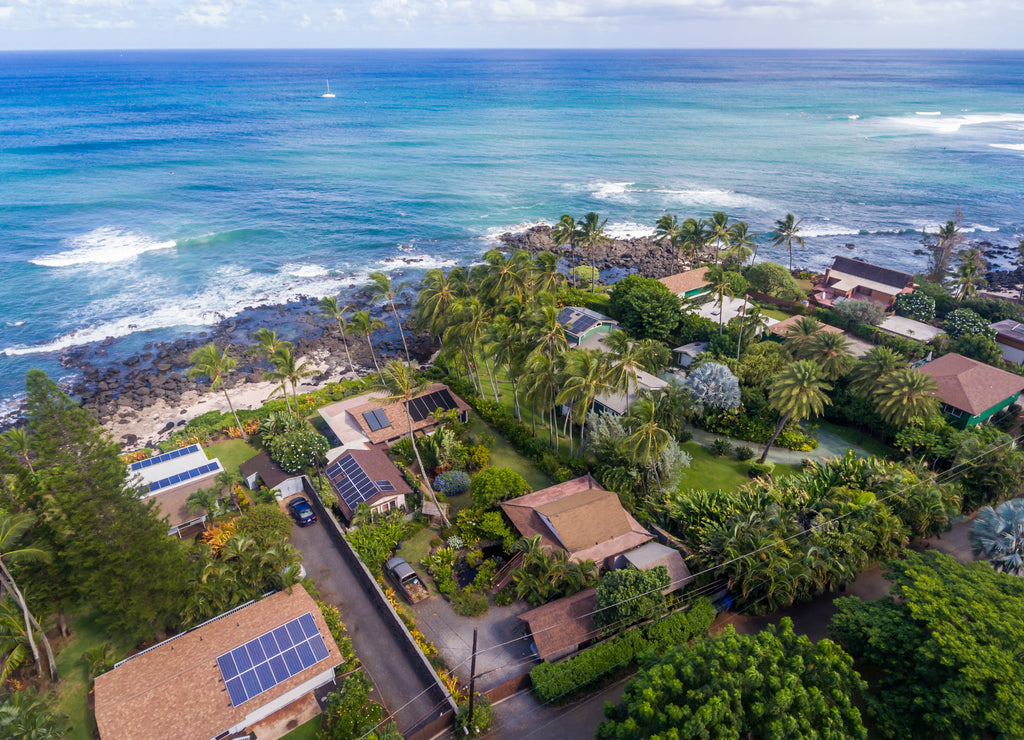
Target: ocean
<point>147,194</point>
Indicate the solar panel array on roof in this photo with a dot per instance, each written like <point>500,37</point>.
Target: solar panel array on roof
<point>422,407</point>
<point>384,485</point>
<point>583,323</point>
<point>164,457</point>
<point>261,664</point>
<point>376,419</point>
<point>350,481</point>
<point>565,315</point>
<point>182,477</point>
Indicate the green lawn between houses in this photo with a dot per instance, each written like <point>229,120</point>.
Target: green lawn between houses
<point>504,455</point>
<point>232,453</point>
<point>710,472</point>
<point>305,731</point>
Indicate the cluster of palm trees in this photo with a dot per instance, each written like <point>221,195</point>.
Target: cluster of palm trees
<point>800,391</point>
<point>501,317</point>
<point>546,574</point>
<point>731,241</point>
<point>587,234</point>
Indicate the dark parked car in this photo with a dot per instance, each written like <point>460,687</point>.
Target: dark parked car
<point>302,512</point>
<point>405,578</point>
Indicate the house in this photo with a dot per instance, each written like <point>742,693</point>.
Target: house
<point>363,421</point>
<point>856,346</point>
<point>688,285</point>
<point>863,281</point>
<point>686,354</point>
<point>902,326</point>
<point>366,476</point>
<point>170,478</point>
<point>580,517</point>
<point>971,391</point>
<point>581,323</point>
<point>619,403</point>
<point>1010,338</point>
<point>561,627</point>
<point>261,470</point>
<point>222,678</point>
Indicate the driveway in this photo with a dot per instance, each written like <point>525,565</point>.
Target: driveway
<point>503,650</point>
<point>397,679</point>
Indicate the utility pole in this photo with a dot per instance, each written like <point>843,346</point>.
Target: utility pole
<point>472,683</point>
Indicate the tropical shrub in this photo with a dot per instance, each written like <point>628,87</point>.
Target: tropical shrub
<point>916,305</point>
<point>743,453</point>
<point>26,716</point>
<point>452,482</point>
<point>713,385</point>
<point>585,275</point>
<point>761,469</point>
<point>298,449</point>
<point>867,312</point>
<point>266,524</point>
<point>630,595</point>
<point>998,536</point>
<point>773,279</point>
<point>374,542</point>
<point>494,485</point>
<point>479,723</point>
<point>469,603</point>
<point>963,322</point>
<point>474,525</point>
<point>645,307</point>
<point>721,447</point>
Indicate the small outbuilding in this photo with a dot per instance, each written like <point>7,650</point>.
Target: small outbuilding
<point>688,285</point>
<point>261,470</point>
<point>561,627</point>
<point>686,354</point>
<point>1010,338</point>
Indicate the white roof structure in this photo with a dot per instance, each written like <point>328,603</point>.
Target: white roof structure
<point>344,425</point>
<point>619,403</point>
<point>174,469</point>
<point>901,326</point>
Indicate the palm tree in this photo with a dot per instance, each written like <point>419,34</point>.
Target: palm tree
<point>438,295</point>
<point>830,351</point>
<point>564,233</point>
<point>905,393</point>
<point>797,392</point>
<point>742,240</point>
<point>998,536</point>
<point>380,287</point>
<point>363,325</point>
<point>15,441</point>
<point>719,231</point>
<point>647,439</point>
<point>587,377</point>
<point>330,309</point>
<point>693,238</point>
<point>799,335</point>
<point>721,287</point>
<point>872,367</point>
<point>968,274</point>
<point>590,235</point>
<point>787,231</point>
<point>402,385</point>
<point>12,528</point>
<point>507,346</point>
<point>288,370</point>
<point>205,499</point>
<point>948,241</point>
<point>209,362</point>
<point>631,356</point>
<point>508,275</point>
<point>751,319</point>
<point>546,277</point>
<point>668,227</point>
<point>267,342</point>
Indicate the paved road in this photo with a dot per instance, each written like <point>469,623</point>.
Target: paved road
<point>394,673</point>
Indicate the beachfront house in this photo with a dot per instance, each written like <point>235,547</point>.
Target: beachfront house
<point>170,478</point>
<point>853,279</point>
<point>971,392</point>
<point>368,420</point>
<point>581,323</point>
<point>689,285</point>
<point>366,477</point>
<point>1010,338</point>
<point>250,672</point>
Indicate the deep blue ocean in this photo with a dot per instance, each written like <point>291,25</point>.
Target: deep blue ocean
<point>145,194</point>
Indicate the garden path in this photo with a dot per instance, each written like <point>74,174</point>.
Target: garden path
<point>829,445</point>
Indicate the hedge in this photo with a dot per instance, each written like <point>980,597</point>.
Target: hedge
<point>552,681</point>
<point>911,349</point>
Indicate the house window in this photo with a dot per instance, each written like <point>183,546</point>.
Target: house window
<point>952,411</point>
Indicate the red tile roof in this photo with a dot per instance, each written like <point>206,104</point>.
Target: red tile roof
<point>970,385</point>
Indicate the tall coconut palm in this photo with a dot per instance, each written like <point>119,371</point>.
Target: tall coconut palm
<point>998,536</point>
<point>508,275</point>
<point>797,392</point>
<point>402,385</point>
<point>564,232</point>
<point>905,393</point>
<point>15,440</point>
<point>365,327</point>
<point>546,277</point>
<point>787,232</point>
<point>647,439</point>
<point>630,357</point>
<point>267,341</point>
<point>380,287</point>
<point>752,320</point>
<point>799,335</point>
<point>209,362</point>
<point>438,294</point>
<point>969,274</point>
<point>830,351</point>
<point>330,310</point>
<point>287,369</point>
<point>946,244</point>
<point>693,238</point>
<point>505,343</point>
<point>743,240</point>
<point>587,376</point>
<point>721,288</point>
<point>590,236</point>
<point>12,528</point>
<point>872,367</point>
<point>668,228</point>
<point>720,232</point>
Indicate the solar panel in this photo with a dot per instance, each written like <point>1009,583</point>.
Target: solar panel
<point>565,315</point>
<point>173,454</point>
<point>422,407</point>
<point>384,485</point>
<point>177,478</point>
<point>351,482</point>
<point>262,663</point>
<point>582,324</point>
<point>370,418</point>
<point>382,418</point>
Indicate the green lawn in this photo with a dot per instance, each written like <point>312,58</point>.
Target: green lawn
<point>504,455</point>
<point>710,472</point>
<point>774,313</point>
<point>870,444</point>
<point>304,732</point>
<point>232,453</point>
<point>74,686</point>
<point>507,400</point>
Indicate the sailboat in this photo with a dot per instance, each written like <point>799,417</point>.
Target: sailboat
<point>328,94</point>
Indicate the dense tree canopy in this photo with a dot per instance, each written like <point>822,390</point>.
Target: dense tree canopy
<point>629,595</point>
<point>494,485</point>
<point>773,279</point>
<point>947,645</point>
<point>645,307</point>
<point>775,684</point>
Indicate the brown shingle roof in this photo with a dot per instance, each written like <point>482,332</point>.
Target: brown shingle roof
<point>269,471</point>
<point>378,467</point>
<point>781,329</point>
<point>578,516</point>
<point>395,413</point>
<point>560,626</point>
<point>970,385</point>
<point>175,690</point>
<point>683,282</point>
<point>874,273</point>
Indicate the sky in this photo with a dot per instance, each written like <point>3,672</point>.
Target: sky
<point>179,24</point>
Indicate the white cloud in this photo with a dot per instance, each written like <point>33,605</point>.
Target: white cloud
<point>403,12</point>
<point>211,15</point>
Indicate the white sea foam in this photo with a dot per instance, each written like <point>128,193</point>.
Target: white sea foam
<point>714,198</point>
<point>492,234</point>
<point>853,116</point>
<point>819,229</point>
<point>626,229</point>
<point>105,245</point>
<point>1011,147</point>
<point>417,262</point>
<point>304,271</point>
<point>982,227</point>
<point>928,113</point>
<point>15,323</point>
<point>603,190</point>
<point>940,124</point>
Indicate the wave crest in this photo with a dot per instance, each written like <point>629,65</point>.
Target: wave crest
<point>105,245</point>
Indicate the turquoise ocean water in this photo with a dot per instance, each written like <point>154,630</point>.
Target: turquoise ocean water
<point>145,194</point>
